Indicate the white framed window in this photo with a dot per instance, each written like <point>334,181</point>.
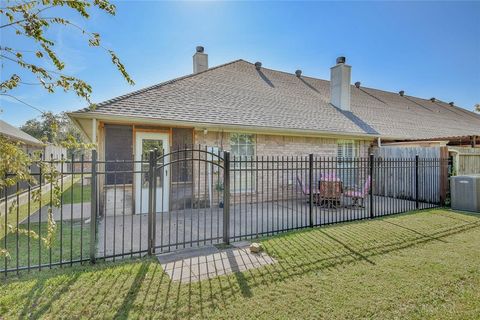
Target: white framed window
<point>348,171</point>
<point>347,149</point>
<point>242,146</point>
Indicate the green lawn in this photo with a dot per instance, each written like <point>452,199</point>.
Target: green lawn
<point>39,252</point>
<point>23,211</point>
<point>423,265</point>
<point>75,195</point>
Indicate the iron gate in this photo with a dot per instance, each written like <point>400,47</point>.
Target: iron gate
<point>195,210</point>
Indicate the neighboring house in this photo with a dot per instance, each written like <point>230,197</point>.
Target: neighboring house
<point>28,143</point>
<point>252,110</point>
<point>31,145</point>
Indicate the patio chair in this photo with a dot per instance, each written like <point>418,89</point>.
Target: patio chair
<point>358,196</point>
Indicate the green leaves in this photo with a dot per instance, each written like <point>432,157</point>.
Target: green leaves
<point>10,83</point>
<point>116,61</point>
<point>106,6</point>
<point>29,20</point>
<point>94,41</point>
<point>15,162</point>
<point>53,57</point>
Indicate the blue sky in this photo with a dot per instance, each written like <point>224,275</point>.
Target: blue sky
<point>428,49</point>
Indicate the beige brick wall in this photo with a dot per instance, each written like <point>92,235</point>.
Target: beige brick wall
<point>269,146</point>
<point>273,145</point>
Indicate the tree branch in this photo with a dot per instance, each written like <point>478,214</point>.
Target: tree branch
<point>21,61</point>
<point>33,16</point>
<point>21,101</point>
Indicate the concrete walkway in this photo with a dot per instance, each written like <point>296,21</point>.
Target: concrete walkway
<point>23,197</point>
<point>65,213</point>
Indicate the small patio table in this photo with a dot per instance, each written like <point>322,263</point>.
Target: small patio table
<point>330,192</point>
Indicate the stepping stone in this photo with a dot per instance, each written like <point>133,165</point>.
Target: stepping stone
<point>196,264</point>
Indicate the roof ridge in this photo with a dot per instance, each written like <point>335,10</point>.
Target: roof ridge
<point>363,87</point>
<point>158,85</point>
<point>285,72</point>
<point>466,111</point>
<point>428,100</point>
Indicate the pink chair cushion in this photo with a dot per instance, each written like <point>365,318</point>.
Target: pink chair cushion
<point>363,193</point>
<point>330,177</point>
<point>354,194</point>
<point>366,186</point>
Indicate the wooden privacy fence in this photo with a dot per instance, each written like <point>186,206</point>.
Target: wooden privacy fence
<point>466,160</point>
<point>395,174</point>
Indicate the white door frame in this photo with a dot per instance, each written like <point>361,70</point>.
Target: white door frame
<point>162,192</point>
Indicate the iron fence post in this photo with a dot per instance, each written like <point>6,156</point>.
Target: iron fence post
<point>93,208</point>
<point>417,205</point>
<point>310,187</point>
<point>151,193</point>
<point>371,164</point>
<point>154,199</point>
<point>226,197</point>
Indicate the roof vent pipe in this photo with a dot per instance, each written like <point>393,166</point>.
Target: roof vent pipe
<point>401,93</point>
<point>298,73</point>
<point>451,103</point>
<point>433,99</point>
<point>258,65</point>
<point>357,84</point>
<point>200,60</point>
<point>340,80</point>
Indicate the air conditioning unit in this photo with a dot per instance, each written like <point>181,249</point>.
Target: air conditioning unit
<point>465,193</point>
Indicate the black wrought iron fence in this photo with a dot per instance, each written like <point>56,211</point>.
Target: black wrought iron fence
<point>195,196</point>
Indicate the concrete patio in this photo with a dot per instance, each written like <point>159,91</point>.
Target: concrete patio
<point>178,229</point>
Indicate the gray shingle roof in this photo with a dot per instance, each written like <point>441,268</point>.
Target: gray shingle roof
<point>16,134</point>
<point>237,94</point>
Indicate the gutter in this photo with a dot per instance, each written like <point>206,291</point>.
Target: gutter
<point>213,126</point>
<point>24,141</point>
<point>233,128</point>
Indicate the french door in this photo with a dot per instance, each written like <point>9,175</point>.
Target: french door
<point>144,142</point>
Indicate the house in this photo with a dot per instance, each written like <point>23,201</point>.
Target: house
<point>28,143</point>
<point>12,133</point>
<point>252,110</point>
